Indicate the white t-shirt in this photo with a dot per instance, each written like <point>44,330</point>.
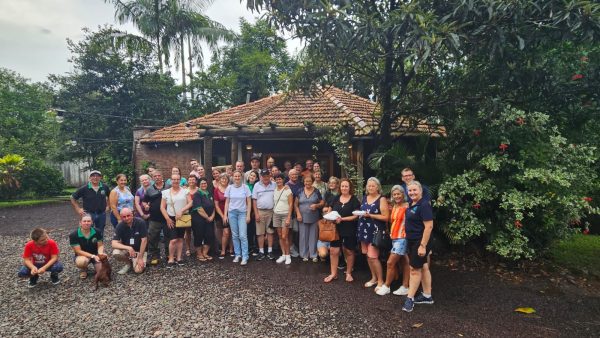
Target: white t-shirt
<point>237,197</point>
<point>179,200</point>
<point>280,198</point>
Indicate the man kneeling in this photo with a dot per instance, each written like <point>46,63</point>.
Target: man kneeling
<point>129,242</point>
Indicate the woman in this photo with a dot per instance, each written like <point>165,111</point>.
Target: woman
<point>87,244</point>
<point>376,214</point>
<point>282,217</point>
<point>419,224</point>
<point>222,231</point>
<point>237,212</point>
<point>332,191</point>
<point>203,216</point>
<point>120,197</point>
<point>176,171</point>
<point>187,236</point>
<point>398,253</point>
<point>253,177</point>
<point>270,163</point>
<point>307,204</point>
<point>345,203</point>
<point>215,175</point>
<point>175,202</point>
<point>142,209</point>
<point>319,184</point>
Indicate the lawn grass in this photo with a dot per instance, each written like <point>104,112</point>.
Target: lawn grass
<point>579,253</point>
<point>27,203</point>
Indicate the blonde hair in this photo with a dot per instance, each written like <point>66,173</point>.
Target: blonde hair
<point>377,183</point>
<point>397,187</point>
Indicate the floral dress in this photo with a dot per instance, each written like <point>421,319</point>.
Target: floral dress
<point>367,226</point>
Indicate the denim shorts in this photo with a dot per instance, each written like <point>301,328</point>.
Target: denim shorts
<point>399,246</point>
<point>322,244</point>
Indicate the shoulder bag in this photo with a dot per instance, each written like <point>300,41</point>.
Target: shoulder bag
<point>186,219</point>
<point>327,231</point>
<point>381,239</point>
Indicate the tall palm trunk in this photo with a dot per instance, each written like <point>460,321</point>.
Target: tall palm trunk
<point>182,46</point>
<point>191,69</point>
<point>157,21</point>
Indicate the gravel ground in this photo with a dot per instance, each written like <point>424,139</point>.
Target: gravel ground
<point>220,298</point>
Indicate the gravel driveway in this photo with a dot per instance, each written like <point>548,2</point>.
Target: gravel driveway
<point>220,298</point>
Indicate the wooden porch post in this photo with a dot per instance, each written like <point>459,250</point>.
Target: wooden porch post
<point>360,155</point>
<point>208,155</point>
<point>234,150</point>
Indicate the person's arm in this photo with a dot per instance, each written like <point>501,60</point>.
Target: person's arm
<point>248,208</point>
<point>385,211</point>
<point>225,211</point>
<point>79,210</point>
<point>163,210</point>
<point>187,207</point>
<point>297,209</point>
<point>116,244</point>
<point>425,239</point>
<point>290,208</point>
<point>79,252</point>
<point>140,256</point>
<point>100,247</point>
<point>53,259</point>
<point>202,213</point>
<point>217,207</point>
<point>256,215</point>
<point>138,207</point>
<point>112,200</point>
<point>28,262</point>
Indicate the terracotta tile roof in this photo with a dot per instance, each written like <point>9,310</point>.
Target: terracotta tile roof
<point>328,107</point>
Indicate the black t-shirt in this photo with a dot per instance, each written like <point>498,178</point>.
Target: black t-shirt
<point>137,231</point>
<point>346,228</point>
<point>93,201</point>
<point>204,201</point>
<point>329,198</point>
<point>87,244</point>
<point>416,215</point>
<point>154,197</point>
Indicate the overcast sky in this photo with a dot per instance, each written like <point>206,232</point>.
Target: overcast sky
<point>33,33</point>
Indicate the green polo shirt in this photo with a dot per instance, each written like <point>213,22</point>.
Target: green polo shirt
<point>88,244</point>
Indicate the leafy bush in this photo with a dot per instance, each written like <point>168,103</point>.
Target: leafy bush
<point>39,180</point>
<point>523,185</point>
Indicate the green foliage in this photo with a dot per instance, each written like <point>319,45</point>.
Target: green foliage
<point>10,166</point>
<point>525,186</point>
<point>40,180</point>
<point>257,62</point>
<point>578,252</point>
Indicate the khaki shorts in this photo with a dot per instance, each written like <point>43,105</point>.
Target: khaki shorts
<point>262,225</point>
<point>279,221</point>
<point>125,253</point>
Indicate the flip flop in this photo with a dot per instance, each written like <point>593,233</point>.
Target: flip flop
<point>83,275</point>
<point>201,258</point>
<point>188,253</point>
<point>208,258</point>
<point>370,284</point>
<point>349,277</point>
<point>330,278</point>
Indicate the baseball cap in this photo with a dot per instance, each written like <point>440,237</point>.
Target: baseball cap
<point>95,172</point>
<point>264,172</point>
<point>255,157</point>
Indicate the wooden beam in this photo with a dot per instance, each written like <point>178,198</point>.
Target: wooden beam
<point>234,150</point>
<point>208,155</point>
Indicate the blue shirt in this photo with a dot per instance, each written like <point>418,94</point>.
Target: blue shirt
<point>237,197</point>
<point>416,216</point>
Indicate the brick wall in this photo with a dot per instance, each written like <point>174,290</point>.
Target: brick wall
<point>166,155</point>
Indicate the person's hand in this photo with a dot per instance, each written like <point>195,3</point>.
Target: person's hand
<point>421,251</point>
<point>170,223</point>
<point>299,217</point>
<point>140,261</point>
<point>41,271</point>
<point>211,218</point>
<point>80,211</point>
<point>145,216</point>
<point>94,258</point>
<point>131,252</point>
<point>247,219</point>
<point>178,215</point>
<point>338,220</point>
<point>257,218</point>
<point>313,207</point>
<point>287,221</point>
<point>367,214</point>
<point>146,206</point>
<point>34,271</point>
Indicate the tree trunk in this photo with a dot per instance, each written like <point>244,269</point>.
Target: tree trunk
<point>182,46</point>
<point>157,22</point>
<point>191,69</point>
<point>385,90</point>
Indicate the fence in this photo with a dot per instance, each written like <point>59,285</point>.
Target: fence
<point>74,173</point>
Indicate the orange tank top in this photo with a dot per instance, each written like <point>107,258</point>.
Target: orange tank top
<point>398,229</point>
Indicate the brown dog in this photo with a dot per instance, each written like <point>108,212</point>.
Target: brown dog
<point>103,271</point>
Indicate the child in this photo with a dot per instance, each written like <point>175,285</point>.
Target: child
<point>40,255</point>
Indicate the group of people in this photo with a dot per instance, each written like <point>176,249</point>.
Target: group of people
<point>238,212</point>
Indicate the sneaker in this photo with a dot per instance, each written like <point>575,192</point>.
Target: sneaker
<point>180,263</point>
<point>54,278</point>
<point>383,290</point>
<point>171,265</point>
<point>126,269</point>
<point>33,281</point>
<point>315,260</point>
<point>288,260</point>
<point>260,256</point>
<point>154,261</point>
<point>237,259</point>
<point>409,305</point>
<point>280,260</point>
<point>402,291</point>
<point>244,262</point>
<point>304,259</point>
<point>420,299</point>
<point>270,256</point>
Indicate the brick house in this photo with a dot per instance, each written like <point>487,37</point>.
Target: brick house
<point>282,126</point>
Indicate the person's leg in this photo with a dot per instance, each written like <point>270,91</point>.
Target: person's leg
<point>218,236</point>
<point>268,219</point>
<point>99,220</point>
<point>154,239</point>
<point>198,236</point>
<point>243,235</point>
<point>82,263</point>
<point>303,241</point>
<point>172,250</point>
<point>285,236</point>
<point>313,236</point>
<point>364,249</point>
<point>426,279</point>
<point>188,241</point>
<point>235,232</point>
<point>226,235</point>
<point>140,268</point>
<point>260,230</point>
<point>391,269</point>
<point>207,238</point>
<point>349,255</point>
<point>334,254</point>
<point>373,254</point>
<point>414,282</point>
<point>405,271</point>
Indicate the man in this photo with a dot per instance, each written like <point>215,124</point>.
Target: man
<point>407,177</point>
<point>295,185</point>
<point>94,196</point>
<point>254,166</point>
<point>239,166</point>
<point>129,242</point>
<point>308,170</point>
<point>263,203</point>
<point>157,223</point>
<point>274,172</point>
<point>194,165</point>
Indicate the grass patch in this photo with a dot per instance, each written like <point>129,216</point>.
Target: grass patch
<point>579,253</point>
<point>27,203</point>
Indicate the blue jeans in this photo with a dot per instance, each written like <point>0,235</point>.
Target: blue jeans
<point>99,219</point>
<point>113,220</point>
<point>54,269</point>
<point>239,232</point>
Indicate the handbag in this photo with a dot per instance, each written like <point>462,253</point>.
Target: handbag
<point>186,219</point>
<point>327,231</point>
<point>382,240</point>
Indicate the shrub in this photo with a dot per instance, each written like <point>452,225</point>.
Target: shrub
<point>40,180</point>
<point>524,185</point>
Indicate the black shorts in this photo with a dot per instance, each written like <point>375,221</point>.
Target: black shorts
<point>415,260</point>
<point>174,233</point>
<point>349,242</point>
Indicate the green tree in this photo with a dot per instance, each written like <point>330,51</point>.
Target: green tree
<point>257,62</point>
<point>111,89</point>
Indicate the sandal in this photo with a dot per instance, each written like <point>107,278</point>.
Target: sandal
<point>349,277</point>
<point>222,255</point>
<point>201,258</point>
<point>188,253</point>
<point>370,284</point>
<point>330,278</point>
<point>83,275</point>
<point>208,258</point>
